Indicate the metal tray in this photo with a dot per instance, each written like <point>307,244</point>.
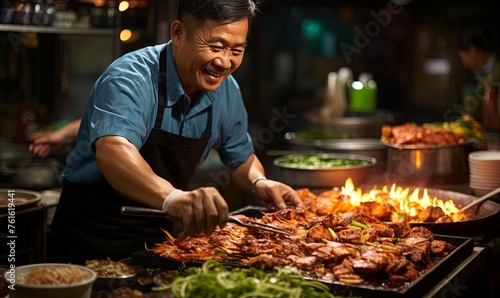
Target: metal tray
<point>429,277</point>
<point>418,287</point>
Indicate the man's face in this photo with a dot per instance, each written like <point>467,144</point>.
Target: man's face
<point>468,58</point>
<point>464,58</point>
<point>208,54</point>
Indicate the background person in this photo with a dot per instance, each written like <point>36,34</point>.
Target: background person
<point>476,54</point>
<point>50,141</point>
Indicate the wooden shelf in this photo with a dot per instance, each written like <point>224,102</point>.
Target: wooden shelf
<point>56,30</point>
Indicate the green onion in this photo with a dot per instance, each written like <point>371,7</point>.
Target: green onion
<point>213,280</point>
<point>358,224</point>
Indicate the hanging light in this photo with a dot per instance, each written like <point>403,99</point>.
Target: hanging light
<point>126,35</point>
<point>124,5</point>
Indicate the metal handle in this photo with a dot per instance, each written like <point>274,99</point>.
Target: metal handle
<point>141,211</point>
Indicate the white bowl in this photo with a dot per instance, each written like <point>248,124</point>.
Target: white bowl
<point>485,155</point>
<point>80,289</point>
<point>485,166</point>
<point>492,171</point>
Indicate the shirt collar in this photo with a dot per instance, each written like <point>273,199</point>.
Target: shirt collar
<point>487,68</point>
<point>175,91</point>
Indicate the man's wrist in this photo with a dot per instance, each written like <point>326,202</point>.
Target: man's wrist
<point>254,184</point>
<point>172,196</point>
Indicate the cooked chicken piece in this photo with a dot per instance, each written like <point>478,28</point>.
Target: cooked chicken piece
<point>304,263</point>
<point>365,268</point>
<point>266,261</point>
<point>259,246</point>
<point>421,232</point>
<point>351,236</point>
<point>407,273</point>
<point>418,253</point>
<point>318,233</point>
<point>430,214</point>
<point>401,229</point>
<point>362,218</point>
<point>374,209</point>
<point>341,251</point>
<point>445,218</point>
<point>441,248</point>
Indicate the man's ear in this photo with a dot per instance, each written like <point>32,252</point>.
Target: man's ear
<point>176,30</point>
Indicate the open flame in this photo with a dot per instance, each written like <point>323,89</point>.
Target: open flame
<point>411,202</point>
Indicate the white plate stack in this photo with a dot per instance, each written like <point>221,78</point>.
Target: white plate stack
<point>484,171</point>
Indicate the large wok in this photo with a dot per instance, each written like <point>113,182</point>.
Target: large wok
<point>487,215</point>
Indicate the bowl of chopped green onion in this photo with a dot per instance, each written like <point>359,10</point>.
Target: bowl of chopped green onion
<point>323,169</point>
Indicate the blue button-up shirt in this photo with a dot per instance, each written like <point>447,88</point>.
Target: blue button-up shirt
<point>123,102</point>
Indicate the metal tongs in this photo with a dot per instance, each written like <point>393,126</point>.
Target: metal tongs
<point>143,211</point>
<point>255,224</point>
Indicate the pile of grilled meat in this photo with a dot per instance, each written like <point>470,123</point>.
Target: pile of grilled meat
<point>350,248</point>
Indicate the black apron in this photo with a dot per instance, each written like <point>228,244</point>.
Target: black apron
<point>88,223</point>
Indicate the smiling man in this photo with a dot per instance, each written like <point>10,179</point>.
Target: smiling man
<point>151,119</point>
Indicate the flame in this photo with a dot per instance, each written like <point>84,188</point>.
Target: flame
<point>411,202</point>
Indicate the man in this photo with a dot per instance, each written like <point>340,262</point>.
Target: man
<point>476,54</point>
<point>151,118</point>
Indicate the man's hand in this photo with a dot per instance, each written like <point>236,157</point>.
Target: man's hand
<point>47,143</point>
<point>276,195</point>
<point>200,211</point>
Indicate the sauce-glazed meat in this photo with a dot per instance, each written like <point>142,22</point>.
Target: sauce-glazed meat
<point>351,248</point>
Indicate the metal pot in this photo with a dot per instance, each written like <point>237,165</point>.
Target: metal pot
<point>325,177</point>
<point>39,173</point>
<point>364,146</point>
<point>435,165</point>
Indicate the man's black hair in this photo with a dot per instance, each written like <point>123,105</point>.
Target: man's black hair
<point>218,10</point>
<point>475,36</point>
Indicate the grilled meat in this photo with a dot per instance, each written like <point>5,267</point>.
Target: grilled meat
<point>350,248</point>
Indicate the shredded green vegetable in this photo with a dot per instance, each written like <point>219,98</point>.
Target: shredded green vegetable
<point>308,161</point>
<point>213,280</point>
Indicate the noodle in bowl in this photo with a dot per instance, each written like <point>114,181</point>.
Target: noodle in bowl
<point>50,280</point>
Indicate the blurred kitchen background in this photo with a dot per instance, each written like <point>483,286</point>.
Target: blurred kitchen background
<point>52,51</point>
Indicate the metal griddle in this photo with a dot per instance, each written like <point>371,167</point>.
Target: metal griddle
<point>430,276</point>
